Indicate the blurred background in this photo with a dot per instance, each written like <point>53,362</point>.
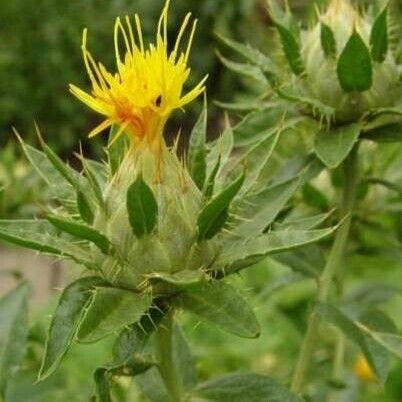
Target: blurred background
<point>39,56</point>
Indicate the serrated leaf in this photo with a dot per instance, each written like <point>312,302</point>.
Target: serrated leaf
<point>248,70</point>
<point>182,280</point>
<point>141,207</point>
<point>65,322</point>
<point>375,353</point>
<point>197,151</point>
<point>354,68</point>
<point>328,42</point>
<point>213,216</point>
<point>41,236</point>
<point>241,387</point>
<point>334,145</point>
<point>257,158</point>
<point>219,304</point>
<point>241,254</point>
<point>250,53</point>
<point>291,49</point>
<point>80,231</point>
<point>266,205</point>
<point>109,310</point>
<point>13,333</point>
<point>379,37</point>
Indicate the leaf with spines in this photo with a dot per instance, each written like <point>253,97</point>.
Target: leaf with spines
<point>214,215</point>
<point>40,235</point>
<point>13,333</point>
<point>248,70</point>
<point>141,207</point>
<point>241,254</point>
<point>354,68</point>
<point>379,37</point>
<point>328,42</point>
<point>197,151</point>
<point>219,304</point>
<point>84,208</point>
<point>110,310</point>
<point>81,231</point>
<point>65,322</point>
<point>333,145</point>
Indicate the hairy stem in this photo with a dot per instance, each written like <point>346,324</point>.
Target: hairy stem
<point>334,261</point>
<point>167,368</point>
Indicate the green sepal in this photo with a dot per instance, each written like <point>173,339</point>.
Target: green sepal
<point>214,215</point>
<point>142,208</point>
<point>218,303</point>
<point>116,149</point>
<point>354,68</point>
<point>291,49</point>
<point>197,150</point>
<point>379,37</point>
<point>328,42</point>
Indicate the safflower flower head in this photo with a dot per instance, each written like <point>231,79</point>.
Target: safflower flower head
<point>148,84</point>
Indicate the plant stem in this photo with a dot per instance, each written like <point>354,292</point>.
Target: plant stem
<point>324,282</point>
<point>167,368</point>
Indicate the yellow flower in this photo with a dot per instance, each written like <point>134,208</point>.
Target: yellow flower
<point>363,370</point>
<point>148,84</point>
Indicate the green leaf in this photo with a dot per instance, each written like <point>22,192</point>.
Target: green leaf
<point>116,149</point>
<point>328,43</point>
<point>257,158</point>
<point>242,387</point>
<point>215,213</point>
<point>391,342</point>
<point>13,333</point>
<point>110,310</point>
<point>210,182</point>
<point>241,254</point>
<point>388,133</point>
<point>291,49</point>
<point>197,151</point>
<point>354,69</point>
<point>379,37</point>
<point>183,359</point>
<point>102,385</point>
<point>80,231</point>
<point>219,304</point>
<point>84,208</point>
<point>142,208</point>
<point>266,206</point>
<point>65,322</point>
<point>375,353</point>
<point>333,146</point>
<point>314,197</point>
<point>304,222</point>
<point>132,340</point>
